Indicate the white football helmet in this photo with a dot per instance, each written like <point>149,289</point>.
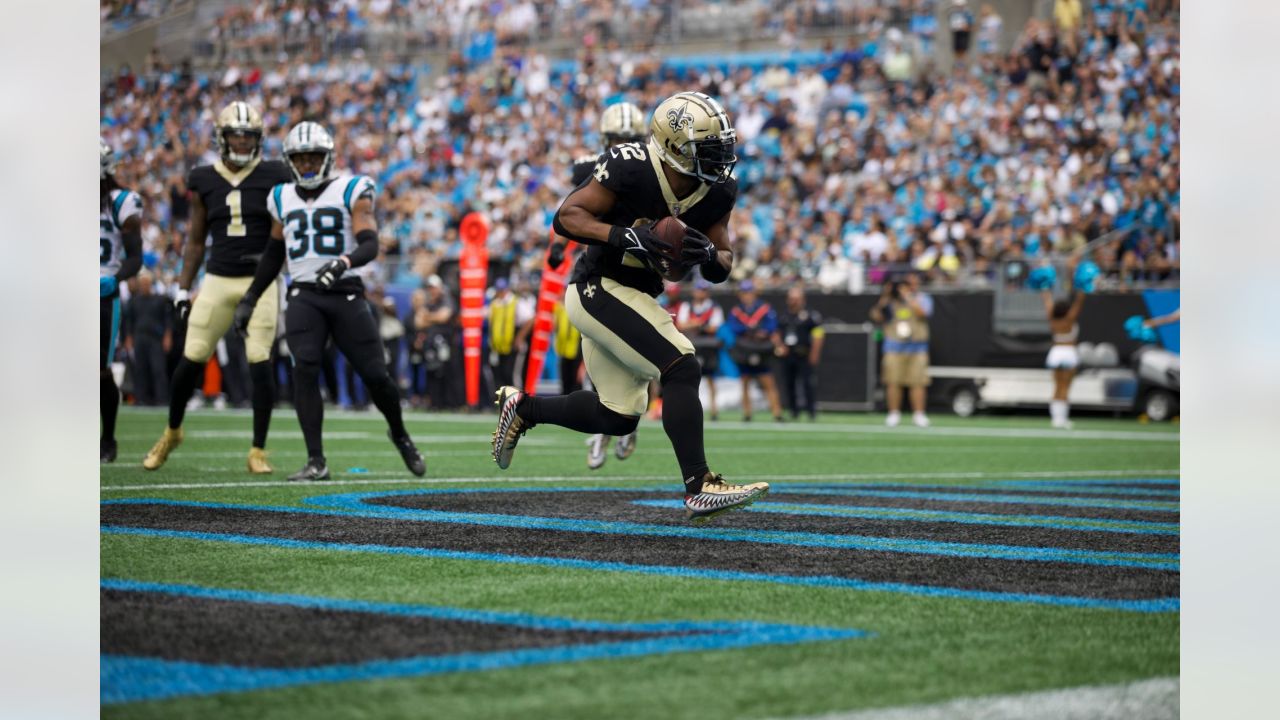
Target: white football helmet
<point>106,160</point>
<point>692,133</point>
<point>309,137</point>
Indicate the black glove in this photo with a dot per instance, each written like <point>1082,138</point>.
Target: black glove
<point>556,256</point>
<point>244,311</point>
<point>698,248</point>
<point>641,242</point>
<point>329,273</point>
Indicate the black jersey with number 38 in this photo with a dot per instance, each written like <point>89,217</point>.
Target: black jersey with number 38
<point>634,174</point>
<point>235,206</point>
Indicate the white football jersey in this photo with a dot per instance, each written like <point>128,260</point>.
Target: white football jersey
<point>124,204</point>
<point>317,230</point>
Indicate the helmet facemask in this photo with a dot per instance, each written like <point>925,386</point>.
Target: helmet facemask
<point>712,159</point>
<point>228,152</point>
<point>310,180</point>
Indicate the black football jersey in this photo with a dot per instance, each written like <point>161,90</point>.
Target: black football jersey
<point>235,206</point>
<point>643,196</point>
<point>582,168</point>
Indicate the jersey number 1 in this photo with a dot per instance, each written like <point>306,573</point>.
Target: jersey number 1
<point>327,238</point>
<point>236,227</point>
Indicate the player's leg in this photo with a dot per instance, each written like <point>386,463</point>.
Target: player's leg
<point>209,320</point>
<point>307,332</point>
<point>355,332</point>
<point>257,347</point>
<point>109,398</point>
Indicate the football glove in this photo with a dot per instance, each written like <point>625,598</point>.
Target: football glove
<point>329,273</point>
<point>642,242</point>
<point>182,305</point>
<point>107,285</point>
<point>698,248</point>
<point>244,312</point>
<point>556,256</point>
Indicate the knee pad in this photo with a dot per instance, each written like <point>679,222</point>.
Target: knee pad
<point>685,370</point>
<point>256,350</point>
<point>197,350</point>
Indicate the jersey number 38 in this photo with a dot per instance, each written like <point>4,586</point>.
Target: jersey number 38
<point>317,232</point>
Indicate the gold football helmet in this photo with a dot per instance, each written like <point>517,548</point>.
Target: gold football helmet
<point>238,118</point>
<point>621,123</point>
<point>692,133</point>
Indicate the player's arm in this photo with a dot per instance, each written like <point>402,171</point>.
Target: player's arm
<point>269,266</point>
<point>579,219</point>
<point>716,269</point>
<point>193,253</point>
<point>131,236</point>
<point>365,227</point>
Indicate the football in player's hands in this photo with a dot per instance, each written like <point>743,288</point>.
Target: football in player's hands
<point>329,273</point>
<point>670,263</point>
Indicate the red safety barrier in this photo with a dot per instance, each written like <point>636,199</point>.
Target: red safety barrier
<point>473,276</point>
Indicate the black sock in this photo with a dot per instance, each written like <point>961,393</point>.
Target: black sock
<point>264,399</point>
<point>386,397</point>
<point>310,408</point>
<point>682,419</point>
<point>185,377</point>
<point>581,411</point>
<point>109,404</point>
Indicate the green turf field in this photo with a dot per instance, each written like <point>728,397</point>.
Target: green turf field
<point>912,645</point>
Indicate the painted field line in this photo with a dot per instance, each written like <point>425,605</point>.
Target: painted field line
<point>401,480</point>
<point>1053,522</point>
<point>1155,699</point>
<point>1170,604</point>
<point>945,496</point>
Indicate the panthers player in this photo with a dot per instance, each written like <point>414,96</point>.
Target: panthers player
<point>686,171</point>
<point>325,224</point>
<point>619,123</point>
<point>119,258</point>
<point>229,204</point>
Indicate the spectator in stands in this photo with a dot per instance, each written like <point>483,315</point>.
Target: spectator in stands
<point>148,326</point>
<point>903,312</point>
<point>700,321</point>
<point>960,20</point>
<point>802,337</point>
<point>754,325</point>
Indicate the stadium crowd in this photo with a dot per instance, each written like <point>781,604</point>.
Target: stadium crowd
<point>855,160</point>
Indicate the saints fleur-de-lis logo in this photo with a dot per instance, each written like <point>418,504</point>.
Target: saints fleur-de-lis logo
<point>679,118</point>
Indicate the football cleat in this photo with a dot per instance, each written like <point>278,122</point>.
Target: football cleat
<point>626,445</point>
<point>597,451</point>
<point>718,496</point>
<point>315,469</point>
<point>159,452</point>
<point>510,425</point>
<point>258,464</point>
<point>107,451</point>
<point>409,453</point>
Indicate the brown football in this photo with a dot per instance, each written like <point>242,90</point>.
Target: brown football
<point>671,231</point>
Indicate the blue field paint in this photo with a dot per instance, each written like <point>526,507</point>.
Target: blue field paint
<point>1054,522</point>
<point>1171,495</point>
<point>857,491</point>
<point>1145,605</point>
<point>352,505</point>
<point>132,679</point>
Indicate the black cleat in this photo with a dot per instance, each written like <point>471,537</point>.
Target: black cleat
<point>108,451</point>
<point>409,452</point>
<point>315,469</point>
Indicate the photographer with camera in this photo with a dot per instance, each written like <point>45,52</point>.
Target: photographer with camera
<point>903,312</point>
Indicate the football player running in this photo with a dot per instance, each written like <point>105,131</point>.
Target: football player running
<point>685,171</point>
<point>324,223</point>
<point>229,205</point>
<point>619,123</point>
<point>119,258</point>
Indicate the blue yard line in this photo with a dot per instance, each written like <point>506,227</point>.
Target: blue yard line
<point>1091,490</point>
<point>856,491</point>
<point>1144,605</point>
<point>1174,482</point>
<point>132,679</point>
<point>1054,522</point>
<point>351,506</point>
<point>540,622</point>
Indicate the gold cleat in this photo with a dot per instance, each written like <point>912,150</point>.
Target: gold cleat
<point>258,464</point>
<point>510,426</point>
<point>159,452</point>
<point>718,496</point>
